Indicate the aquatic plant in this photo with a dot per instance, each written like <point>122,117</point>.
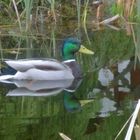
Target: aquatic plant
<point>78,3</point>
<point>52,2</point>
<point>28,8</point>
<point>17,13</point>
<point>85,19</point>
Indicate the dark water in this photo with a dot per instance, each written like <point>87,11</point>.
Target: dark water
<point>95,107</point>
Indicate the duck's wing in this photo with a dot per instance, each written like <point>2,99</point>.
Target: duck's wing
<point>39,85</point>
<point>46,64</point>
<point>27,92</point>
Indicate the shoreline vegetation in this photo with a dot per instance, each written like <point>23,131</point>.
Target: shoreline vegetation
<point>94,14</point>
<point>36,23</point>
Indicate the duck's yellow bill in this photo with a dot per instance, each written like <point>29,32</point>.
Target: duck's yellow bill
<point>85,50</point>
<point>84,102</point>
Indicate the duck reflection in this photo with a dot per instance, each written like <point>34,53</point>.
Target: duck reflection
<point>71,102</point>
<point>41,88</point>
<point>38,88</point>
<point>48,88</point>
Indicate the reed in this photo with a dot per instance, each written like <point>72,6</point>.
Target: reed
<point>28,8</point>
<point>52,3</point>
<point>78,3</point>
<point>17,13</point>
<point>120,7</point>
<point>1,51</point>
<point>85,19</point>
<point>53,9</point>
<point>53,40</point>
<point>18,49</point>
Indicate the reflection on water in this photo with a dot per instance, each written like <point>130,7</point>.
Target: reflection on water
<point>95,107</point>
<point>47,88</point>
<point>38,88</point>
<point>80,108</point>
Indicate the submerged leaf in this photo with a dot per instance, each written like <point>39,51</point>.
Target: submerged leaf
<point>64,137</point>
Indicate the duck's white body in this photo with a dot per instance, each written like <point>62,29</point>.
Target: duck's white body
<point>47,69</point>
<point>35,74</point>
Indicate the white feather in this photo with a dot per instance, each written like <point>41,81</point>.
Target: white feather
<point>39,70</point>
<point>35,74</point>
<point>23,65</point>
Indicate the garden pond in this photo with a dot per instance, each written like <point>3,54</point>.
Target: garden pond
<point>95,107</point>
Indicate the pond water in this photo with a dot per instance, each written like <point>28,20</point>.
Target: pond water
<point>95,107</point>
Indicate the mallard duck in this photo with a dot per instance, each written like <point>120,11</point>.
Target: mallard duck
<point>49,69</point>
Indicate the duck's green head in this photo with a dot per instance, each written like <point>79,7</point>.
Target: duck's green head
<point>71,46</point>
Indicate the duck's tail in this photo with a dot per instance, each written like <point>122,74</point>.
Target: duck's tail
<point>7,70</point>
<point>7,73</point>
<point>6,77</point>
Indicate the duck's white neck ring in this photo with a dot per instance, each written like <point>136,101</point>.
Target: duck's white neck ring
<point>70,60</point>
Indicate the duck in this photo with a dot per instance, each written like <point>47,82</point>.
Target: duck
<point>48,68</point>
